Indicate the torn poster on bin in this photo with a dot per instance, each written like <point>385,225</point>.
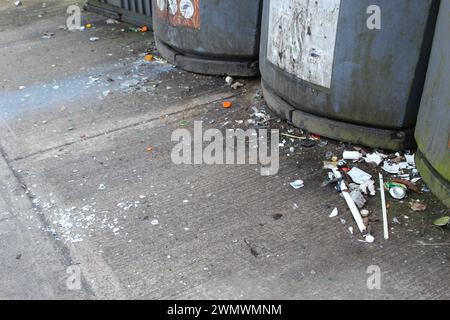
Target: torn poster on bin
<point>302,38</point>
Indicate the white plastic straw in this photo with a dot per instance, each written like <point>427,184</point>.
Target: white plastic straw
<point>383,205</point>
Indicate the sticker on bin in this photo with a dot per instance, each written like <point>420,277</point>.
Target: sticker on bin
<point>184,13</point>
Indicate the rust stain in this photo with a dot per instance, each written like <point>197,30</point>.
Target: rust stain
<point>185,13</point>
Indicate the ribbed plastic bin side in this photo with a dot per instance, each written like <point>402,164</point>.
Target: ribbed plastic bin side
<point>433,124</point>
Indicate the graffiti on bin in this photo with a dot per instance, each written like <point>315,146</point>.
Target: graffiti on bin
<point>180,12</point>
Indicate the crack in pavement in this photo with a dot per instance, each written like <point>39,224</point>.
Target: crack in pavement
<point>59,246</point>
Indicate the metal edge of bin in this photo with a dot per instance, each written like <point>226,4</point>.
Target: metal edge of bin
<point>114,12</point>
<point>207,66</point>
<point>437,184</point>
<point>338,130</point>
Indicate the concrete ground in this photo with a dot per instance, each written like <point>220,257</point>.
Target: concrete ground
<point>87,183</point>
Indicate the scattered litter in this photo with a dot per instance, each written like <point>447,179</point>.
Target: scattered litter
<point>351,204</point>
<point>358,198</point>
<point>92,80</point>
<point>408,184</point>
<point>112,21</point>
<point>297,184</point>
<point>143,29</point>
<point>75,28</point>
<point>404,165</point>
<point>410,159</point>
<point>308,143</point>
<point>237,85</point>
<point>383,208</point>
<point>369,238</point>
<point>391,168</point>
<point>154,222</point>
<point>89,25</point>
<point>352,155</point>
<point>292,136</point>
<point>18,3</point>
<point>93,39</point>
<point>368,187</point>
<point>334,213</point>
<point>373,158</point>
<point>227,104</point>
<point>262,118</point>
<point>418,206</point>
<point>101,187</point>
<point>148,57</point>
<point>149,149</point>
<point>397,192</point>
<point>130,83</point>
<point>442,222</point>
<point>415,180</point>
<point>365,213</point>
<point>358,176</point>
<point>229,80</point>
<point>329,155</point>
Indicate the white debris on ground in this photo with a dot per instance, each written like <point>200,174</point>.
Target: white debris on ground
<point>76,224</point>
<point>297,184</point>
<point>334,213</point>
<point>111,21</point>
<point>360,185</point>
<point>137,78</point>
<point>141,75</point>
